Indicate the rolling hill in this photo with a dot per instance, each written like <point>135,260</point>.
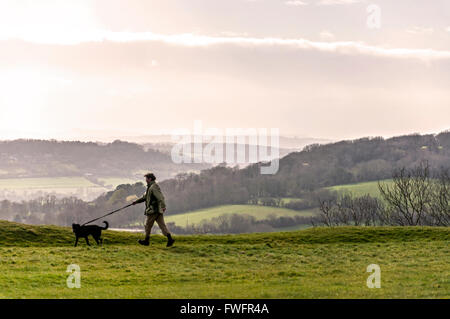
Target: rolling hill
<point>313,263</point>
<point>50,158</point>
<point>315,167</point>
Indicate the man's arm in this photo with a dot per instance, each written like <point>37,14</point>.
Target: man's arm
<point>140,200</point>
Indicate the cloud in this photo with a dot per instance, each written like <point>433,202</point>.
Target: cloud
<point>347,47</point>
<point>326,35</point>
<point>420,30</point>
<point>447,29</point>
<point>337,2</point>
<point>296,3</point>
<point>234,34</point>
<point>196,40</point>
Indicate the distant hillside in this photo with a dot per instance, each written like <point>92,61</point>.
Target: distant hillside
<point>303,178</point>
<point>317,166</point>
<point>286,145</point>
<point>39,158</point>
<point>293,143</point>
<point>198,149</point>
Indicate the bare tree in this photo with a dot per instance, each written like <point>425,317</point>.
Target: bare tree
<point>440,203</point>
<point>409,197</point>
<point>370,211</point>
<point>327,209</point>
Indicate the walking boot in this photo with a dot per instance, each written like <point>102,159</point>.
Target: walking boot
<point>170,240</point>
<point>144,242</point>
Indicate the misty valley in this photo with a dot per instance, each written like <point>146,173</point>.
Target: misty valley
<point>49,182</point>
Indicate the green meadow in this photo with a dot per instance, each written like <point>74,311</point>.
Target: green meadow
<point>259,212</point>
<point>312,263</point>
<point>360,189</point>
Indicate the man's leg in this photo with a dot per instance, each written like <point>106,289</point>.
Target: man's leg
<point>148,228</point>
<point>164,230</point>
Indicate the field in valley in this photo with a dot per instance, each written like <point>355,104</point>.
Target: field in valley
<point>312,263</point>
<point>46,183</point>
<point>259,212</point>
<point>18,189</point>
<point>116,181</point>
<point>360,189</point>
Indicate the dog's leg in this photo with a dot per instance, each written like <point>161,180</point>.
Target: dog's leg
<point>76,241</point>
<point>87,241</point>
<point>96,240</point>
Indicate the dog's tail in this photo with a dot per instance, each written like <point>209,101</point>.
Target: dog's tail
<point>106,225</point>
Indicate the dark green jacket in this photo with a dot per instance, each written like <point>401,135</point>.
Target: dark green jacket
<point>153,198</point>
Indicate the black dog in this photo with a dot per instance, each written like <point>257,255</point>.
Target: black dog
<point>85,231</point>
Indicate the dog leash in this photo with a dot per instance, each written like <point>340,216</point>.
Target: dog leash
<point>117,210</point>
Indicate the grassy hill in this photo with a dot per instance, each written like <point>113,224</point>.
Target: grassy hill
<point>360,189</point>
<point>313,263</point>
<point>259,212</point>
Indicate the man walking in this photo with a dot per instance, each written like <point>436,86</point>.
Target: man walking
<point>154,209</point>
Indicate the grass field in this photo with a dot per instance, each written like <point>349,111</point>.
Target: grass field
<point>284,200</point>
<point>313,263</point>
<point>287,200</point>
<point>59,182</point>
<point>259,212</point>
<point>116,181</point>
<point>46,183</point>
<point>360,189</point>
<point>291,228</point>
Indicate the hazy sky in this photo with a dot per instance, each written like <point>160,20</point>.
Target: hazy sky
<point>97,68</point>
